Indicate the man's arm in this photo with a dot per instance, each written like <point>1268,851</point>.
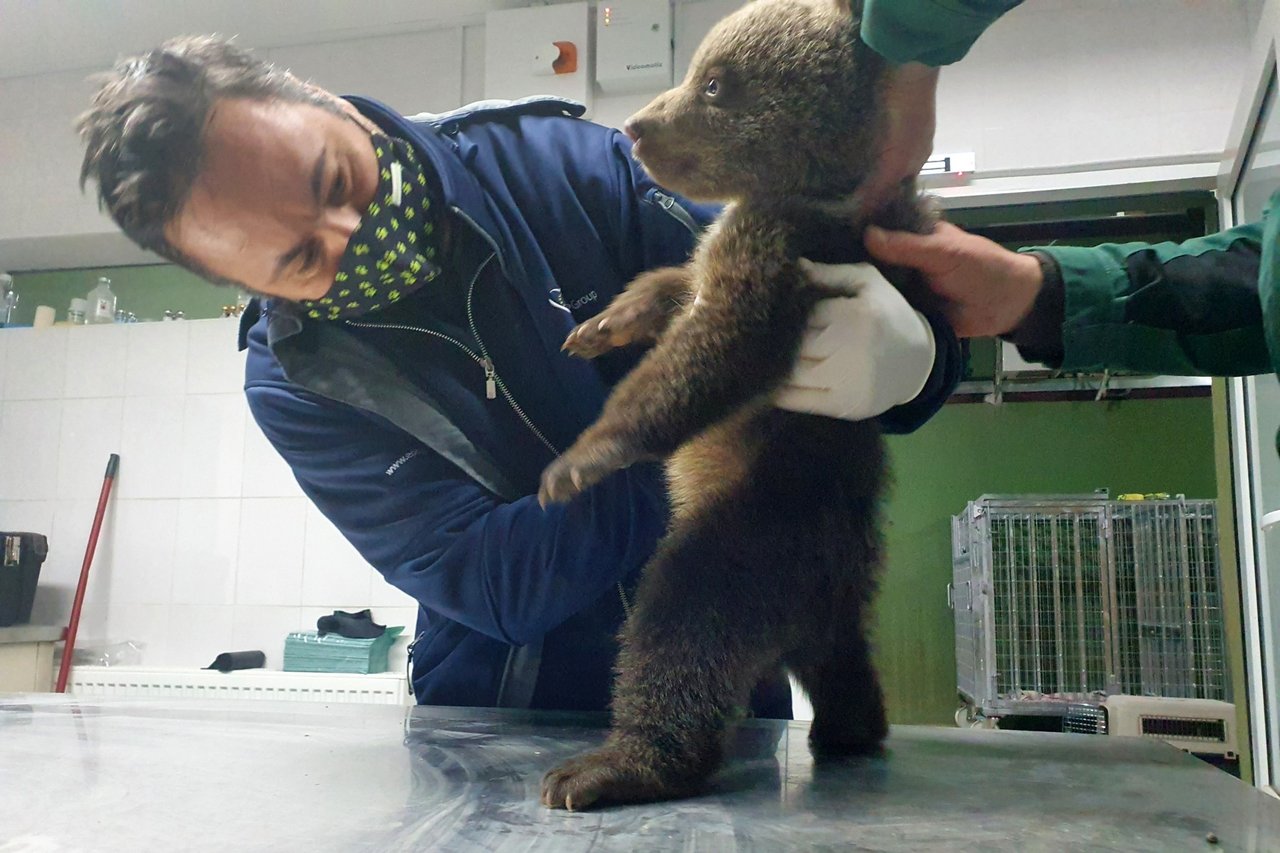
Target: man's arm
<point>930,32</point>
<point>507,569</point>
<point>944,376</point>
<point>916,36</point>
<point>1183,309</point>
<point>583,181</point>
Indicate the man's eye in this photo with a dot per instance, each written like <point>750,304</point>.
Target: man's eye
<point>309,260</point>
<point>338,192</point>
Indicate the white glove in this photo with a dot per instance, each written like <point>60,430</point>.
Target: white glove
<point>862,354</point>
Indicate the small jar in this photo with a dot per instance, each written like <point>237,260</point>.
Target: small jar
<point>77,313</point>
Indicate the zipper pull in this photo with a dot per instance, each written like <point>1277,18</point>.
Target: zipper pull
<point>408,663</point>
<point>490,379</point>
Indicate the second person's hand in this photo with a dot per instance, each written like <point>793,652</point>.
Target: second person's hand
<point>989,290</point>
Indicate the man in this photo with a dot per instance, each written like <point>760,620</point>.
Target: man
<point>1206,306</point>
<point>416,279</point>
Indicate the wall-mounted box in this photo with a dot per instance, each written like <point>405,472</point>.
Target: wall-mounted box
<point>541,50</point>
<point>633,46</point>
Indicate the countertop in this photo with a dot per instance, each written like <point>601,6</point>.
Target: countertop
<point>241,775</point>
<point>31,634</point>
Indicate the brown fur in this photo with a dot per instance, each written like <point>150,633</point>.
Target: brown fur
<point>774,543</point>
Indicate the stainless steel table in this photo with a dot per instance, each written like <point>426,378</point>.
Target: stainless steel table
<point>174,775</point>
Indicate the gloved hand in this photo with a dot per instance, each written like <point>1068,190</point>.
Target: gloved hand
<point>862,354</point>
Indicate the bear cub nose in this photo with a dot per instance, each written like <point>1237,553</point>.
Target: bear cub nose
<point>634,129</point>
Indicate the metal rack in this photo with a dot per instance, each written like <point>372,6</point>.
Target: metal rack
<point>1067,599</point>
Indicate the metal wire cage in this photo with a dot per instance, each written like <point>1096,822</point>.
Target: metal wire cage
<point>1063,599</point>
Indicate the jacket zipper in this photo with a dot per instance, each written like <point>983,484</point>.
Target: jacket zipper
<point>668,203</point>
<point>491,375</point>
<point>475,333</point>
<point>408,662</point>
<point>493,382</point>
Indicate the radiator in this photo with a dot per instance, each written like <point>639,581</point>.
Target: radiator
<point>124,681</point>
<point>1202,726</point>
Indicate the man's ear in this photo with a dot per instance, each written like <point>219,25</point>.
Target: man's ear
<point>347,108</point>
<point>356,116</point>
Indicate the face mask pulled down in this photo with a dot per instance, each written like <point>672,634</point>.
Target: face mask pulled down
<point>393,252</point>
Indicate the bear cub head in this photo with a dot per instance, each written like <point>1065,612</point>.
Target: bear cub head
<point>779,103</point>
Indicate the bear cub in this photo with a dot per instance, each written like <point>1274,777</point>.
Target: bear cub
<point>773,547</point>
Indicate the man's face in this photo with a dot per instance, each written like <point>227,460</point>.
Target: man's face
<point>281,190</point>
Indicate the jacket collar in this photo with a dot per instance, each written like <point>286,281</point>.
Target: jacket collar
<point>436,139</point>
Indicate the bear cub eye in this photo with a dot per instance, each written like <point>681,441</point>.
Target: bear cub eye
<point>713,88</point>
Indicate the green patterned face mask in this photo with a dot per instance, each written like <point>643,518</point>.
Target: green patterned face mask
<point>393,252</point>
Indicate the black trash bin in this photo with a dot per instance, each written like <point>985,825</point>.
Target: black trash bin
<point>21,555</point>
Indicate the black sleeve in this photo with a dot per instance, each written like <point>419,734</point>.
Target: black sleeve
<point>948,367</point>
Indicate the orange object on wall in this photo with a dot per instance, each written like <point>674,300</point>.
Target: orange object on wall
<point>567,61</point>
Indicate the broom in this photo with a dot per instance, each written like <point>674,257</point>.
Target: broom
<point>64,670</point>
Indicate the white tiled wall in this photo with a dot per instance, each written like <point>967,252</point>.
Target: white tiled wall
<point>208,545</point>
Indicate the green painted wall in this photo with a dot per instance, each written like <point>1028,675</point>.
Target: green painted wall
<point>147,291</point>
<point>973,449</point>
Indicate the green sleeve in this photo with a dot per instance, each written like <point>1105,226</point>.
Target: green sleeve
<point>935,32</point>
<point>1182,309</point>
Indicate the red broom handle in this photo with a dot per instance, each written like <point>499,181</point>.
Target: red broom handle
<point>64,670</point>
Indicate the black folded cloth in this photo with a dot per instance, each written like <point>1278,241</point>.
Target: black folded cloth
<point>228,661</point>
<point>353,626</point>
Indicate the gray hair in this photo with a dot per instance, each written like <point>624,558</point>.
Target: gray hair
<point>144,133</point>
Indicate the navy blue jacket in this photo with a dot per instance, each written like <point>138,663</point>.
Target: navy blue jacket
<point>391,432</point>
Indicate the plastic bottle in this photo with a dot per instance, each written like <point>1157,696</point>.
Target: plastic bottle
<point>8,299</point>
<point>102,303</point>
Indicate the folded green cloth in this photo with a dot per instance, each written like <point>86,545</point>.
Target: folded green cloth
<point>307,651</point>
